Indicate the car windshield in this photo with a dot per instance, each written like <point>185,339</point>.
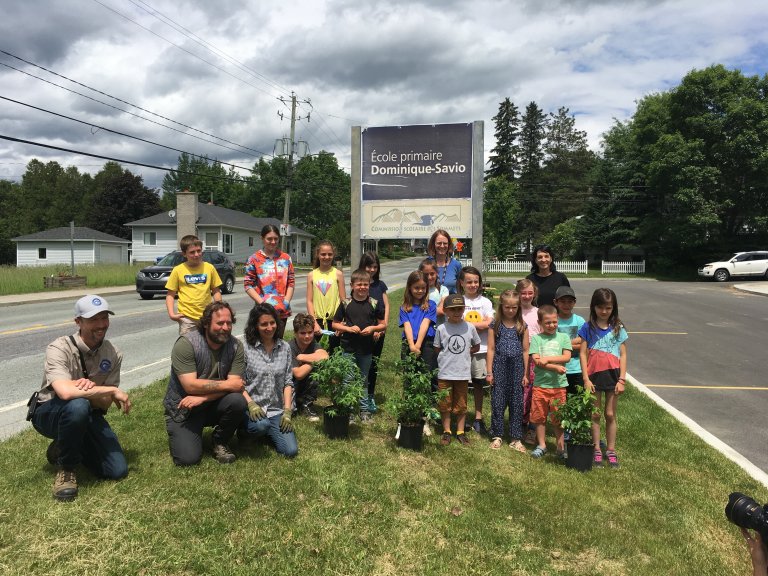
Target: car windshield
<point>725,258</point>
<point>171,259</point>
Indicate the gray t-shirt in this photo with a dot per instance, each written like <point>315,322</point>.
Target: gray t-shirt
<point>454,362</point>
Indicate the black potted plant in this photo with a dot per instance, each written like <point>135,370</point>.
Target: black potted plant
<point>339,379</point>
<point>416,403</point>
<point>575,416</point>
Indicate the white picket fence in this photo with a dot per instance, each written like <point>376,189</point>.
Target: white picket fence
<point>524,266</point>
<point>623,267</point>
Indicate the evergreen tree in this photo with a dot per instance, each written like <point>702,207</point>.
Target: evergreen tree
<point>532,220</point>
<point>504,161</point>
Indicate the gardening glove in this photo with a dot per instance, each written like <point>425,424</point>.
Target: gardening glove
<point>255,412</point>
<point>286,425</point>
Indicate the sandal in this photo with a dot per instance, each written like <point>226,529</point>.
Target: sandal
<point>496,443</point>
<point>517,445</point>
<point>538,452</point>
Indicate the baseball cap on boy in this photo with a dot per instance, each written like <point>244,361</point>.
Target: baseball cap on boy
<point>565,291</point>
<point>454,301</point>
<point>90,305</point>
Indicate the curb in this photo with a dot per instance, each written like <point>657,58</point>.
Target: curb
<point>19,299</point>
<point>709,438</point>
<point>749,290</point>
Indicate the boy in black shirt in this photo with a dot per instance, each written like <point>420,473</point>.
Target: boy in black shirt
<point>357,319</point>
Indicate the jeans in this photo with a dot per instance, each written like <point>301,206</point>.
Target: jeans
<point>285,442</point>
<point>185,438</point>
<point>363,362</point>
<point>83,436</point>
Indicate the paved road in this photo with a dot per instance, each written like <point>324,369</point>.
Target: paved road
<point>140,328</point>
<point>701,346</point>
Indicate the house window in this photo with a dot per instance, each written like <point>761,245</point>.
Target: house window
<point>303,247</point>
<point>42,253</point>
<point>211,240</point>
<point>250,241</point>
<point>150,238</point>
<point>227,243</point>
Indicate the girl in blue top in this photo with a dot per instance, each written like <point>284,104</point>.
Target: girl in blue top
<point>604,366</point>
<point>435,292</point>
<point>418,316</point>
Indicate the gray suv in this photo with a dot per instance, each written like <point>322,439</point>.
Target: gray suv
<point>151,280</point>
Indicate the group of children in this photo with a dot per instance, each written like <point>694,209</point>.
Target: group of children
<point>532,358</point>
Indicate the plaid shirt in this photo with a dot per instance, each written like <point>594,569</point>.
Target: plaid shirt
<point>267,375</point>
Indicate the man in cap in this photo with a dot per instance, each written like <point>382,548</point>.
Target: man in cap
<point>82,375</point>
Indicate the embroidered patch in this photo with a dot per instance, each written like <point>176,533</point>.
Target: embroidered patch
<point>105,365</point>
<point>195,278</point>
<point>96,301</point>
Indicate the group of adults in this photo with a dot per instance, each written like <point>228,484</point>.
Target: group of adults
<point>544,274</point>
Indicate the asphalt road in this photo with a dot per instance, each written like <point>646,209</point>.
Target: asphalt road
<point>140,329</point>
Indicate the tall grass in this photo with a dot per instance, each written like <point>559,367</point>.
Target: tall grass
<point>364,506</point>
<point>27,279</point>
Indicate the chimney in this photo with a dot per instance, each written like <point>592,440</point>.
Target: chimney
<point>186,214</point>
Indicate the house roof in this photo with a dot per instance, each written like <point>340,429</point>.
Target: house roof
<point>212,215</point>
<point>63,233</point>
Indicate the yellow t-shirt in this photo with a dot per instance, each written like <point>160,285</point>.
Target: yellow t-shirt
<point>325,293</point>
<point>193,286</point>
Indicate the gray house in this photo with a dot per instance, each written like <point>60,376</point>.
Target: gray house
<point>54,246</point>
<point>235,233</point>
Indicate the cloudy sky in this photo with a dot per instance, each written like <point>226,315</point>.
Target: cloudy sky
<point>210,75</point>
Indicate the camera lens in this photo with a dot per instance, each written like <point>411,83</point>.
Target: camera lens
<point>744,511</point>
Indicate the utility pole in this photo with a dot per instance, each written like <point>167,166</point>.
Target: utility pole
<point>290,145</point>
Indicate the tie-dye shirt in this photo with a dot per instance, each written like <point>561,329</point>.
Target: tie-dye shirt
<point>271,277</point>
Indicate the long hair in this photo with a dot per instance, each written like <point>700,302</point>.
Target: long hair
<point>408,301</point>
<point>369,259</point>
<point>252,336</point>
<point>469,270</point>
<point>542,248</point>
<point>605,296</point>
<point>433,239</point>
<point>524,283</point>
<point>316,257</point>
<point>429,263</point>
<point>511,297</point>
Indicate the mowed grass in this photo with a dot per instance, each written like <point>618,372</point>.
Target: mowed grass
<point>29,279</point>
<point>364,506</point>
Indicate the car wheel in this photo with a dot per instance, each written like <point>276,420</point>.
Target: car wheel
<point>229,285</point>
<point>146,295</point>
<point>722,275</point>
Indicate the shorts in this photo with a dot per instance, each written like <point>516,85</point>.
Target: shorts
<point>542,404</point>
<point>478,366</point>
<point>187,325</point>
<point>456,401</point>
<point>605,380</point>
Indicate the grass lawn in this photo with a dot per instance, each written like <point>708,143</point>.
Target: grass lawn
<point>364,506</point>
<point>29,279</point>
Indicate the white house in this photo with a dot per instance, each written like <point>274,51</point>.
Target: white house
<point>54,246</point>
<point>235,233</point>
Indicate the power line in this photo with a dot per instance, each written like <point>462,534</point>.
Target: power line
<point>219,68</point>
<point>205,44</point>
<point>118,160</point>
<point>120,100</point>
<point>128,111</point>
<point>119,133</point>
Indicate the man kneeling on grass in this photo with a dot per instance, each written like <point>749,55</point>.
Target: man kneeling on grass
<point>82,374</point>
<point>205,388</point>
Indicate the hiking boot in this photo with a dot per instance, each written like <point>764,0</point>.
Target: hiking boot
<point>65,485</point>
<point>53,453</point>
<point>308,411</point>
<point>223,454</point>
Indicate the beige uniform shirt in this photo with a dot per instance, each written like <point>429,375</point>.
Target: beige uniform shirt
<point>62,362</point>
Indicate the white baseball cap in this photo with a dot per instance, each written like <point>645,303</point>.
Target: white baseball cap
<point>90,305</point>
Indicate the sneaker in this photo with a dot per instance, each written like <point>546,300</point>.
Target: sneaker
<point>308,411</point>
<point>462,439</point>
<point>223,454</point>
<point>446,438</point>
<point>52,454</point>
<point>597,459</point>
<point>613,460</point>
<point>479,427</point>
<point>372,405</point>
<point>538,452</point>
<point>65,485</point>
<point>530,436</point>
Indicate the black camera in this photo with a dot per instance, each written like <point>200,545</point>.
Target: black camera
<point>746,513</point>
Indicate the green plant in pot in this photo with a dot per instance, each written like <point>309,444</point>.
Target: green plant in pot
<point>416,402</point>
<point>339,378</point>
<point>575,416</point>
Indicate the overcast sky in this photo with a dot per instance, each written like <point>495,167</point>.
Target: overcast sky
<point>220,68</point>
